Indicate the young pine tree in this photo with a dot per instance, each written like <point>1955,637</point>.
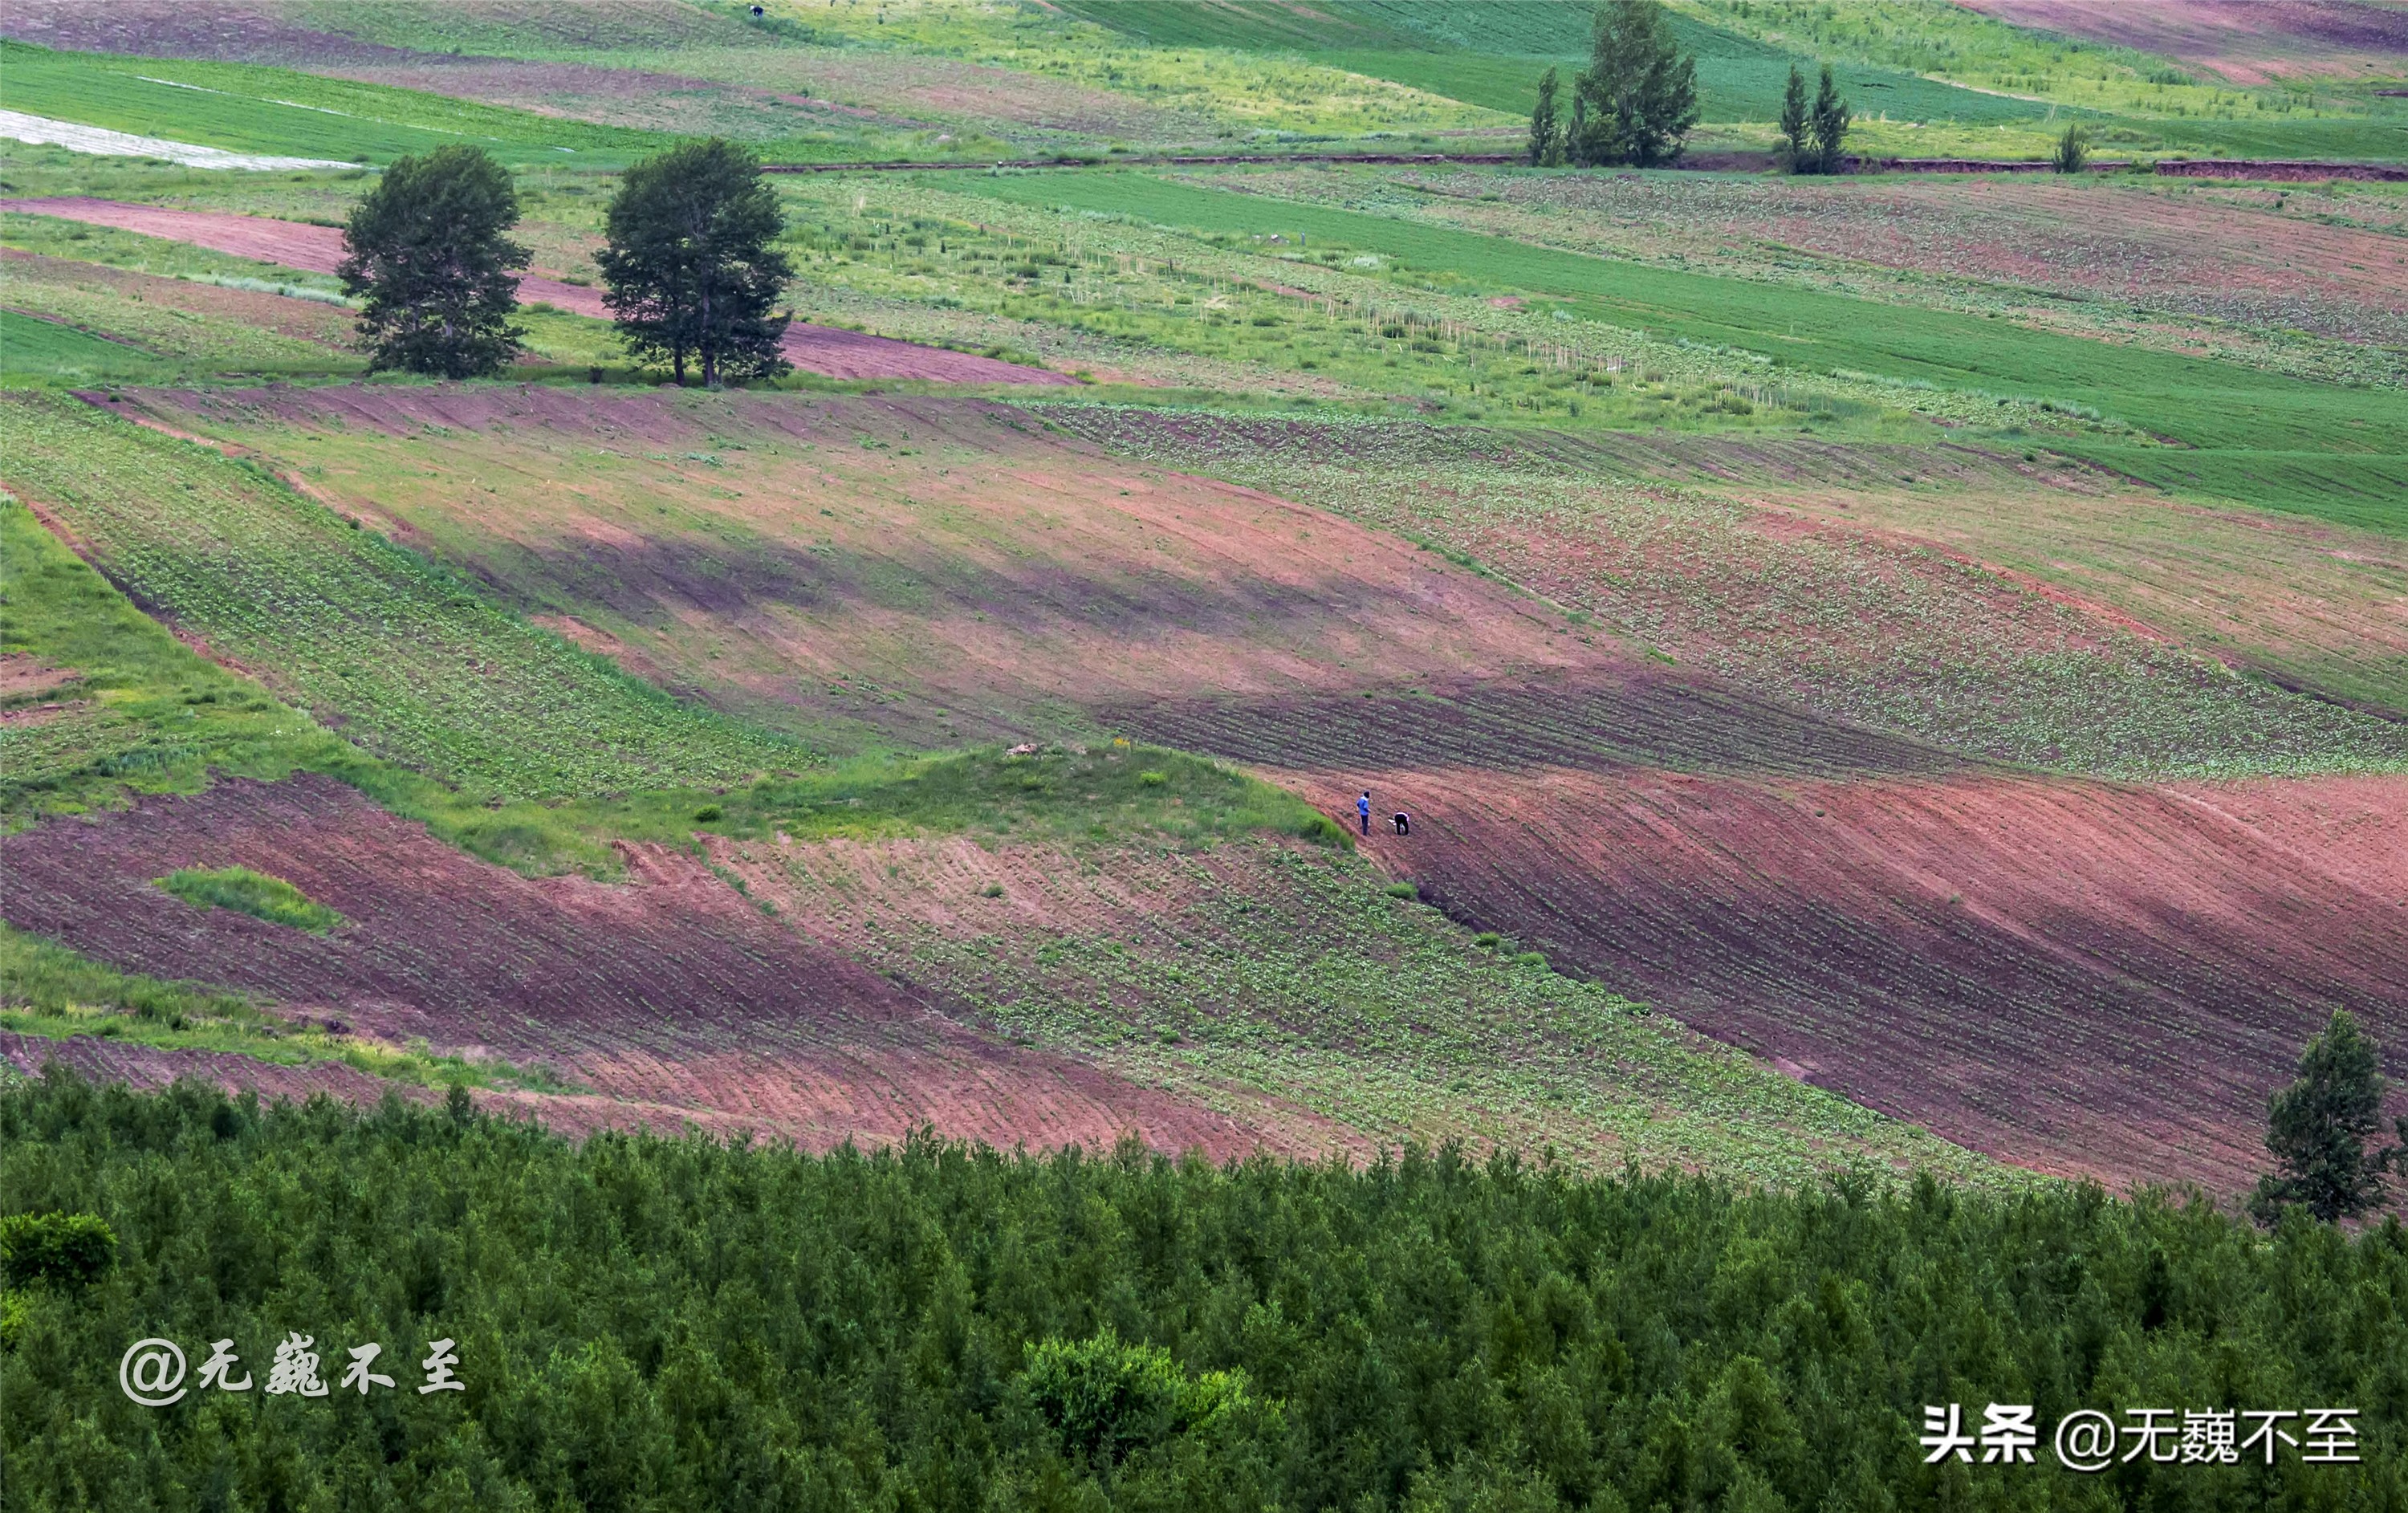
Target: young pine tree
<point>1546,130</point>
<point>2317,1129</point>
<point>2071,150</point>
<point>427,255</point>
<point>1641,92</point>
<point>1828,124</point>
<point>1793,121</point>
<point>691,261</point>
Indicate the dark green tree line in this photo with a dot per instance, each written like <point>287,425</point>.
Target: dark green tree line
<point>645,1324</point>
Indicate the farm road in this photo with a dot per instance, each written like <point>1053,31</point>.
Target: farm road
<point>830,351</point>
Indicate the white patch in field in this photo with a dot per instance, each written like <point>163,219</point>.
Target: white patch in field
<point>102,142</point>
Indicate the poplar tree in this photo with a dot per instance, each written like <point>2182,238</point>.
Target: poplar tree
<point>427,255</point>
<point>1546,131</point>
<point>1793,121</point>
<point>692,267</point>
<point>1828,124</point>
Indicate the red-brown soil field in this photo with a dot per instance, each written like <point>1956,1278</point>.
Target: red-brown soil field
<point>2245,41</point>
<point>2079,977</point>
<point>2255,256</point>
<point>669,998</point>
<point>919,567</point>
<point>825,349</point>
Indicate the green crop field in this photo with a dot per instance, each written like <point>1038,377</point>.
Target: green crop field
<point>1494,57</point>
<point>282,112</point>
<point>32,348</point>
<point>2340,453</point>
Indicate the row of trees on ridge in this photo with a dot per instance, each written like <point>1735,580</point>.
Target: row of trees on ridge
<point>691,267</point>
<point>1638,102</point>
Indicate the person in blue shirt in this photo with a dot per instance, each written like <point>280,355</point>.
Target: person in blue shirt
<point>1363,811</point>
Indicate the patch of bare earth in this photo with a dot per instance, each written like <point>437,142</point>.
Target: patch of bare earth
<point>826,349</point>
<point>667,998</point>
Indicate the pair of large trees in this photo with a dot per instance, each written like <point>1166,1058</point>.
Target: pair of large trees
<point>1635,104</point>
<point>690,263</point>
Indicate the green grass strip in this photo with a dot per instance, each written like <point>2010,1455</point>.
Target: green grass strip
<point>247,108</point>
<point>2363,434</point>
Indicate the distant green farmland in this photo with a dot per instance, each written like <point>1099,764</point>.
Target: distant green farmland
<point>34,351</point>
<point>1493,54</point>
<point>275,111</point>
<point>2285,443</point>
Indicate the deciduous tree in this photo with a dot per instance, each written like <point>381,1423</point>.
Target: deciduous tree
<point>692,265</point>
<point>1640,93</point>
<point>1546,129</point>
<point>429,256</point>
<point>1793,121</point>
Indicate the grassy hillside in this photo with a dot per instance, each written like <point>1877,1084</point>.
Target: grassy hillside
<point>2336,452</point>
<point>275,111</point>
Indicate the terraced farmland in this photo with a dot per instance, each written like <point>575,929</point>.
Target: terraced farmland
<point>1863,891</point>
<point>1940,637</point>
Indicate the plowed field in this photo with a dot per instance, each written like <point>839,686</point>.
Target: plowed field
<point>2080,974</point>
<point>2075,977</point>
<point>915,570</point>
<point>669,998</point>
<point>827,349</point>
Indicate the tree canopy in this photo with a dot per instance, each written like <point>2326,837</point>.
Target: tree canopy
<point>2318,1127</point>
<point>691,264</point>
<point>1546,149</point>
<point>682,1324</point>
<point>1639,99</point>
<point>1827,125</point>
<point>429,256</point>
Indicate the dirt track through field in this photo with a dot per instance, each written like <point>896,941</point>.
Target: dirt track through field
<point>669,998</point>
<point>830,351</point>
